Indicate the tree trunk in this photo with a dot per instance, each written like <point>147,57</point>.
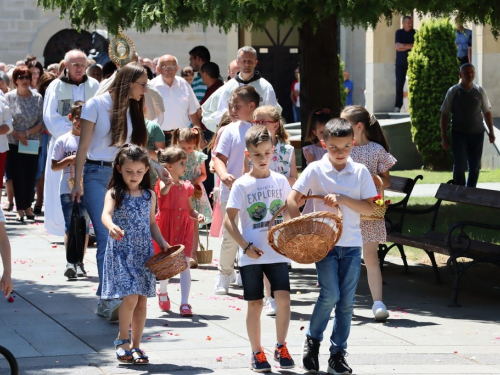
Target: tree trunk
<point>319,70</point>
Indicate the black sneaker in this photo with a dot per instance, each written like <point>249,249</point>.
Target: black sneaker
<point>282,356</point>
<point>259,362</point>
<point>80,270</point>
<point>70,272</point>
<point>310,353</point>
<point>338,365</point>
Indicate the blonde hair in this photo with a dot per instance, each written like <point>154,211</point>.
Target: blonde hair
<point>271,111</point>
<point>189,135</point>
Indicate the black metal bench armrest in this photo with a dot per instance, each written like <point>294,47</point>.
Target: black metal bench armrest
<point>460,242</point>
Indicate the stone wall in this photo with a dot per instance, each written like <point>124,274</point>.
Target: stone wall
<point>27,28</point>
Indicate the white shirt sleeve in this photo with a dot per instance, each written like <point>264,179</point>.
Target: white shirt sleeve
<point>211,113</point>
<point>224,145</point>
<point>485,104</point>
<point>304,182</point>
<point>58,153</point>
<point>5,115</point>
<point>90,111</point>
<point>270,98</point>
<point>236,197</point>
<point>448,101</point>
<point>56,124</point>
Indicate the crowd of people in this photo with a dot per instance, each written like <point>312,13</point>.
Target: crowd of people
<point>150,156</point>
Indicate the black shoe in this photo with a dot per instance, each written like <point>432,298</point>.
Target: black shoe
<point>10,207</point>
<point>310,353</point>
<point>37,210</point>
<point>70,272</point>
<point>338,365</point>
<point>80,270</point>
<point>259,362</point>
<point>30,217</point>
<point>282,355</point>
<point>19,218</point>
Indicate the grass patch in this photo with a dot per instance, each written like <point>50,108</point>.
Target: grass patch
<point>434,177</point>
<point>449,213</point>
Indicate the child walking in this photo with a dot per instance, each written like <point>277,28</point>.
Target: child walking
<point>252,200</point>
<point>63,158</point>
<point>128,214</point>
<point>188,139</point>
<point>372,150</point>
<point>349,185</point>
<point>176,218</point>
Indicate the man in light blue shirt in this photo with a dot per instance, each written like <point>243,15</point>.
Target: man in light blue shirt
<point>463,40</point>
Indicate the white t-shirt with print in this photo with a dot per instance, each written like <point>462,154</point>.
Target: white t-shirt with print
<point>232,145</point>
<point>257,200</point>
<point>353,181</point>
<point>66,145</point>
<point>98,110</point>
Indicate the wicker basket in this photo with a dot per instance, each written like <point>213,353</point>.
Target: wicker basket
<point>378,211</point>
<point>204,256</point>
<point>167,264</point>
<point>308,238</point>
<point>71,180</point>
<point>198,192</point>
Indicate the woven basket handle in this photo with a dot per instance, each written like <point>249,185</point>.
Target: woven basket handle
<point>379,184</point>
<point>271,222</point>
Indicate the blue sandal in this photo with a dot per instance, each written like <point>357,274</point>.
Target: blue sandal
<point>121,353</point>
<point>140,355</point>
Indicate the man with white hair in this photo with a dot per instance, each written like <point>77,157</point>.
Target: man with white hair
<point>215,107</point>
<point>180,102</point>
<point>60,95</point>
<point>2,66</point>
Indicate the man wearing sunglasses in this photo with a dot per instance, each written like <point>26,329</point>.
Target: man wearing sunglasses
<point>71,86</point>
<point>180,102</point>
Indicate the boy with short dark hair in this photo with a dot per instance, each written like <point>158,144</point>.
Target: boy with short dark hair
<point>229,166</point>
<point>254,198</point>
<point>348,185</point>
<point>63,158</point>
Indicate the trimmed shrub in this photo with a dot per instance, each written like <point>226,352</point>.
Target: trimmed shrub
<point>432,69</point>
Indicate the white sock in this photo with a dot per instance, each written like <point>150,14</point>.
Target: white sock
<point>163,290</point>
<point>185,284</point>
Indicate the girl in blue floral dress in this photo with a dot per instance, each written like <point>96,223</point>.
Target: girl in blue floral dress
<point>129,214</point>
<point>189,140</point>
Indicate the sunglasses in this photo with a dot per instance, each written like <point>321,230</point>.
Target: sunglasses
<point>263,122</point>
<point>22,78</point>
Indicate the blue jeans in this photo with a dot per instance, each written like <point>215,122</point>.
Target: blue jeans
<point>296,113</point>
<point>338,275</point>
<point>42,159</point>
<point>467,150</point>
<point>67,207</point>
<point>95,186</point>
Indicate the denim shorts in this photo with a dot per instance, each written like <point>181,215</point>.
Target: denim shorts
<point>67,207</point>
<point>252,277</point>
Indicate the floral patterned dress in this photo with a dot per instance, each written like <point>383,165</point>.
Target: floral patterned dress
<point>194,162</point>
<point>124,270</point>
<point>377,160</point>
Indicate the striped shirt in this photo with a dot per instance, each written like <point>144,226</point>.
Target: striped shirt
<point>198,87</point>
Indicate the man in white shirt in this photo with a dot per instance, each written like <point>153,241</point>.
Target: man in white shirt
<point>73,85</point>
<point>215,107</point>
<point>179,99</point>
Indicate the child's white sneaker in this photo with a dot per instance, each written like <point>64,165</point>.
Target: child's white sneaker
<point>232,277</point>
<point>380,311</point>
<point>270,307</point>
<point>221,284</point>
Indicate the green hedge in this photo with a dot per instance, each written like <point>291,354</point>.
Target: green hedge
<point>432,69</point>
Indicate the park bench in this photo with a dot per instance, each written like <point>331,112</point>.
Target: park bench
<point>456,242</point>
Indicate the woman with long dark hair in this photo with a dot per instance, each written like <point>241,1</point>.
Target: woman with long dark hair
<point>107,122</point>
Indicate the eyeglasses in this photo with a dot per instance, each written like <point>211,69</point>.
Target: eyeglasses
<point>263,122</point>
<point>22,78</point>
<point>144,85</point>
<point>78,65</point>
<point>169,68</point>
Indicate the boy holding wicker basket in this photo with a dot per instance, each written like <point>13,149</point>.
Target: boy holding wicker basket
<point>253,199</point>
<point>349,186</point>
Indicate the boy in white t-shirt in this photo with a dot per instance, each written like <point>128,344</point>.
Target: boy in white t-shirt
<point>254,199</point>
<point>63,158</point>
<point>348,185</point>
<point>229,166</point>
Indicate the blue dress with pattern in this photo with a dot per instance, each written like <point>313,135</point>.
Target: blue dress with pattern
<point>124,271</point>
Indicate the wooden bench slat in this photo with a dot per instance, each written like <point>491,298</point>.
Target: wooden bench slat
<point>469,195</point>
<point>400,184</point>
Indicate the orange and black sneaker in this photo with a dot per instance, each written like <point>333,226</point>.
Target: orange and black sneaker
<point>282,355</point>
<point>259,362</point>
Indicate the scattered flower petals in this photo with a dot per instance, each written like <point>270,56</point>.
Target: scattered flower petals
<point>54,246</point>
<point>10,299</point>
<point>455,352</point>
<point>301,328</point>
<point>218,359</point>
<point>165,325</point>
<point>209,338</point>
<point>148,338</point>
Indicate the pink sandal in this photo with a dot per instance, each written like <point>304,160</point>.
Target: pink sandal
<point>164,305</point>
<point>186,310</point>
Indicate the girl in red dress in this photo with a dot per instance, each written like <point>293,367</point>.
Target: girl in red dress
<point>176,218</point>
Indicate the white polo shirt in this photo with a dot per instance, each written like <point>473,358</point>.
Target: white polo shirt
<point>353,181</point>
<point>179,101</point>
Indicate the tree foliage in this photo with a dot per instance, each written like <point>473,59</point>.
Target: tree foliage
<point>432,69</point>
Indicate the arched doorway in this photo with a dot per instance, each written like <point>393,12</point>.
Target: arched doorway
<point>64,41</point>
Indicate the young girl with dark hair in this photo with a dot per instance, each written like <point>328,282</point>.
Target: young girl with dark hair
<point>372,150</point>
<point>129,215</point>
<point>315,126</point>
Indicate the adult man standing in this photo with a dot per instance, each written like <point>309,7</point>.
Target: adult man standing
<point>209,74</point>
<point>468,105</point>
<point>215,107</point>
<point>463,40</point>
<point>405,38</point>
<point>233,69</point>
<point>179,100</point>
<point>348,87</point>
<point>198,56</point>
<point>295,96</point>
<point>73,85</point>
